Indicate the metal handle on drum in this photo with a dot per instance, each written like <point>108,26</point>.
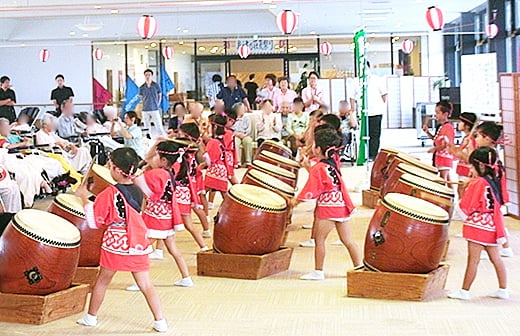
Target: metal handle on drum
<point>378,237</point>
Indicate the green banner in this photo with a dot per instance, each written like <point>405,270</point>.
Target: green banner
<point>361,63</point>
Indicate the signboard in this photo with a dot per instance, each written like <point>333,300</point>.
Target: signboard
<point>258,46</point>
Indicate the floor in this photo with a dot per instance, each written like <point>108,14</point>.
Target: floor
<point>284,305</point>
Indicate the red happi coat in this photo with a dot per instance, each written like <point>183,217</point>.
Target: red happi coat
<point>217,173</point>
<point>445,135</point>
<point>485,222</point>
<point>325,184</point>
<point>125,245</point>
<point>464,167</point>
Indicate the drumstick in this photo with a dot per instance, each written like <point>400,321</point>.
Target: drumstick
<point>451,182</point>
<point>92,163</point>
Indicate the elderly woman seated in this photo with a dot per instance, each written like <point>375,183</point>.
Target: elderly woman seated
<point>77,157</point>
<point>95,129</point>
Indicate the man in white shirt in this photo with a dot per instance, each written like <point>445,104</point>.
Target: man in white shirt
<point>78,157</point>
<point>376,106</point>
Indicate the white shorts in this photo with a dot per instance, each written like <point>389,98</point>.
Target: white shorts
<point>160,234</point>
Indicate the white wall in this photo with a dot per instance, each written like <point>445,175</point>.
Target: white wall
<point>432,54</point>
<point>33,80</point>
<point>183,65</point>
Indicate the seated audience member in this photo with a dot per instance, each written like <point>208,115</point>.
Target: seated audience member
<point>179,111</point>
<point>110,113</point>
<point>285,110</point>
<point>219,107</point>
<point>284,94</point>
<point>269,125</point>
<point>269,90</point>
<point>348,121</point>
<point>297,124</point>
<point>21,124</point>
<point>78,157</point>
<point>308,136</point>
<point>11,200</point>
<point>132,134</point>
<point>94,128</point>
<point>243,140</point>
<point>196,117</point>
<point>66,127</point>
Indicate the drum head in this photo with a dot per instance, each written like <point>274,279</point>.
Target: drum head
<point>279,158</point>
<point>71,204</point>
<point>414,170</point>
<point>416,208</point>
<point>277,144</point>
<point>46,228</point>
<point>264,166</point>
<point>425,184</point>
<point>104,173</point>
<point>257,198</point>
<point>416,162</point>
<point>271,182</point>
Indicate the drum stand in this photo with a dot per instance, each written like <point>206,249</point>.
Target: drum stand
<point>242,266</point>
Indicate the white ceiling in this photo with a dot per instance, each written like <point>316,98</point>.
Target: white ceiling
<point>25,21</point>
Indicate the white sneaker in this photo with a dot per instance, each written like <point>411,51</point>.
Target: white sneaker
<point>156,255</point>
<point>210,206</point>
<point>88,320</point>
<point>484,255</point>
<point>206,234</point>
<point>337,243</point>
<point>204,249</point>
<point>307,226</point>
<point>507,252</point>
<point>308,243</point>
<point>314,275</point>
<point>461,294</point>
<point>501,293</point>
<point>178,228</point>
<point>185,282</point>
<point>133,288</point>
<point>160,326</point>
<point>459,235</point>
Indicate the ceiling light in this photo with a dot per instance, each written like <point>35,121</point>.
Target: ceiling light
<point>146,47</point>
<point>201,48</point>
<point>374,19</point>
<point>272,6</point>
<point>85,35</point>
<point>153,44</point>
<point>89,26</point>
<point>185,31</point>
<point>267,1</point>
<point>312,32</point>
<point>114,11</point>
<point>212,51</point>
<point>163,40</point>
<point>97,7</point>
<point>181,42</point>
<point>184,53</point>
<point>377,11</point>
<point>72,33</point>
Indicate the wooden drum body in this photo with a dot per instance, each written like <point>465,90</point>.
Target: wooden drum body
<point>251,220</point>
<point>70,208</point>
<point>277,172</point>
<point>274,147</point>
<point>98,178</point>
<point>396,170</point>
<point>382,162</point>
<point>406,235</point>
<point>39,253</point>
<point>279,161</point>
<point>424,189</point>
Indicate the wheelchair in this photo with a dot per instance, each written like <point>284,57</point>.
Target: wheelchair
<point>350,147</point>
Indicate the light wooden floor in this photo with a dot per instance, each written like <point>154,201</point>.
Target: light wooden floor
<point>283,305</point>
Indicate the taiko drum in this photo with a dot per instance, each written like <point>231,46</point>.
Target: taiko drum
<point>251,220</point>
<point>383,160</point>
<point>70,208</point>
<point>403,168</point>
<point>277,172</point>
<point>98,179</point>
<point>39,253</point>
<point>424,189</point>
<point>406,235</point>
<point>274,147</point>
<point>279,161</point>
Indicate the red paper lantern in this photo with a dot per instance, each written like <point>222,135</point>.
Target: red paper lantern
<point>147,26</point>
<point>287,21</point>
<point>167,52</point>
<point>98,54</point>
<point>491,30</point>
<point>407,46</point>
<point>325,48</point>
<point>434,18</point>
<point>44,55</point>
<point>244,51</point>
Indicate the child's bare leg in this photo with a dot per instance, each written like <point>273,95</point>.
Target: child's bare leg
<point>474,250</point>
<point>100,287</point>
<point>500,268</point>
<point>323,228</point>
<point>345,236</point>
<point>186,219</point>
<point>204,202</point>
<point>177,256</point>
<point>152,298</point>
<point>202,217</point>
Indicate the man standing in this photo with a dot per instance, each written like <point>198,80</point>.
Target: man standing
<point>61,93</point>
<point>251,88</point>
<point>213,89</point>
<point>376,99</point>
<point>150,93</point>
<point>232,94</point>
<point>7,99</point>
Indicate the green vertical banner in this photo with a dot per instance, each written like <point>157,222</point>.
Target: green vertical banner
<point>360,59</point>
